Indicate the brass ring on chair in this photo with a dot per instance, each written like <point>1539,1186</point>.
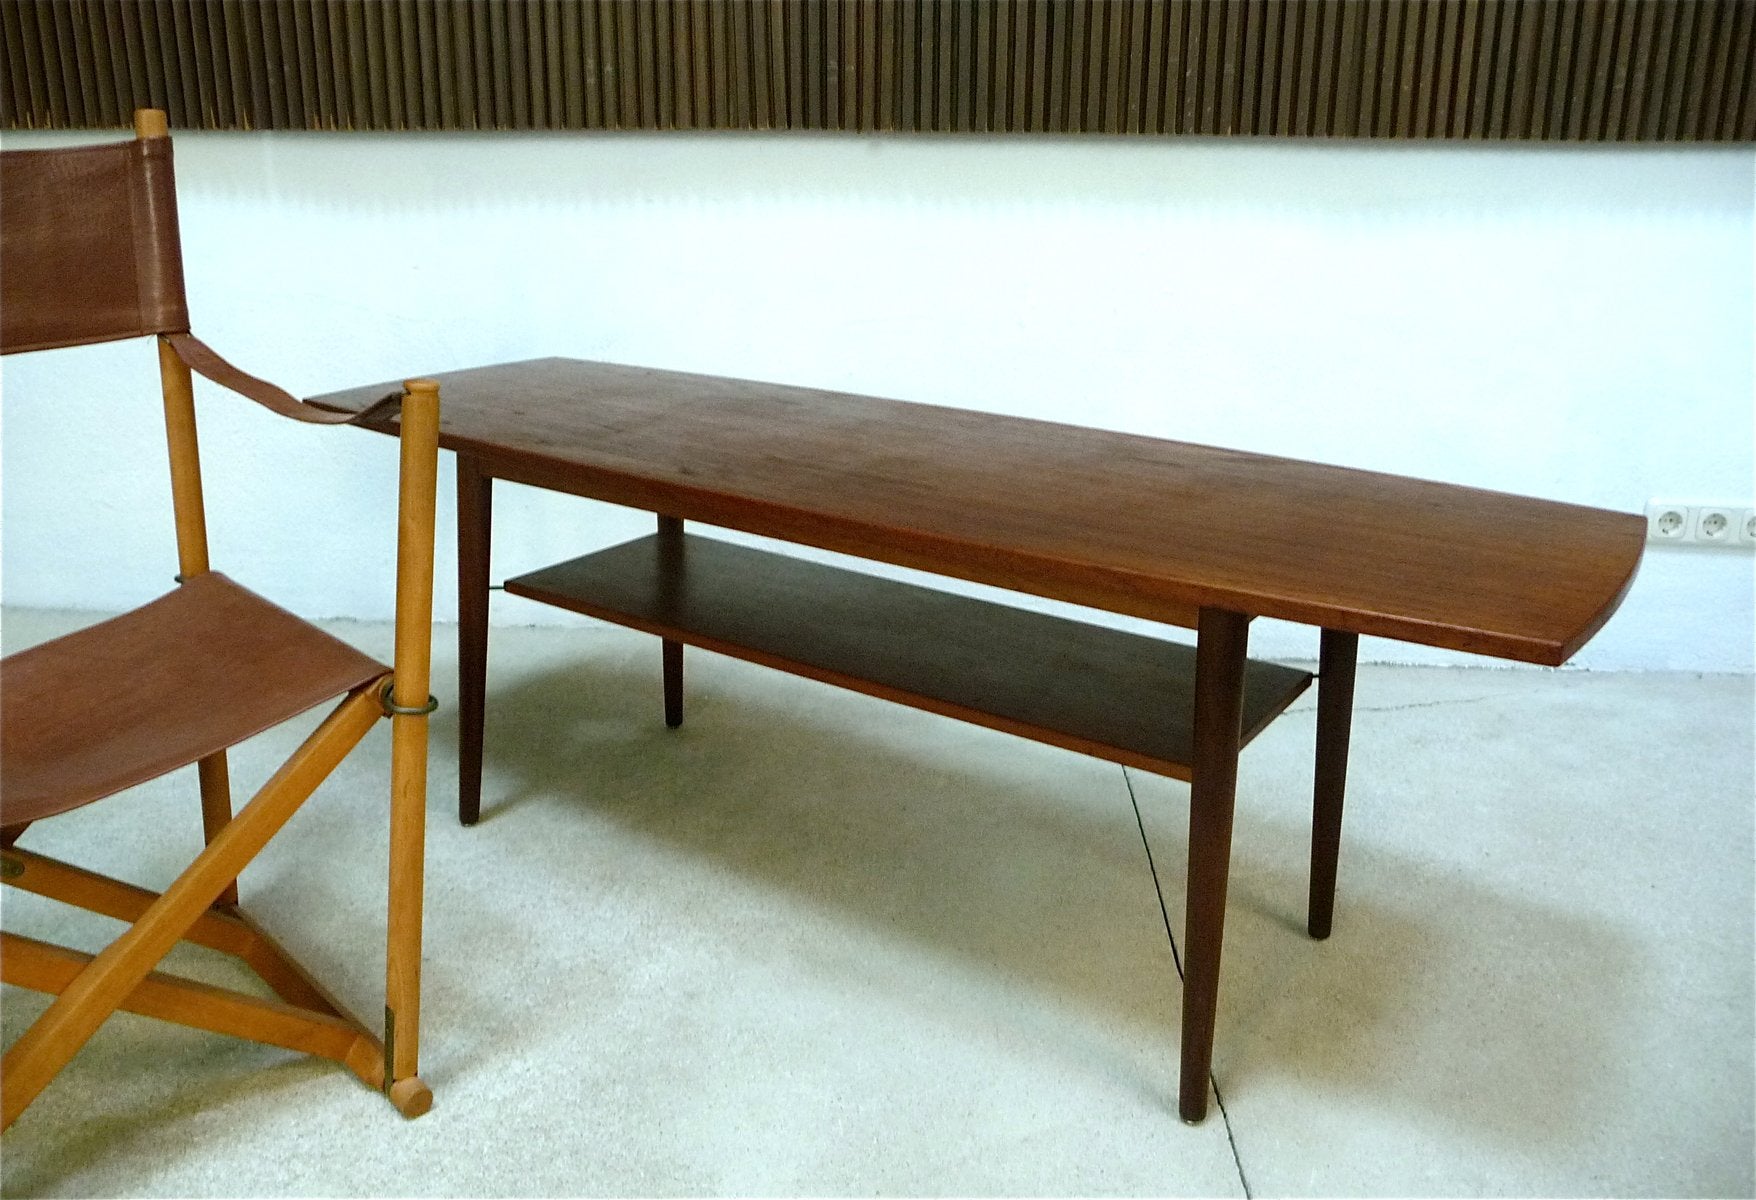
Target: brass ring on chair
<point>393,709</point>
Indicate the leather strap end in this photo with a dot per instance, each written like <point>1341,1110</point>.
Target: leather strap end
<point>380,415</point>
<point>205,361</point>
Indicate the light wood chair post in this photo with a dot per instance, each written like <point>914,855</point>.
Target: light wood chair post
<point>408,764</point>
<point>191,517</point>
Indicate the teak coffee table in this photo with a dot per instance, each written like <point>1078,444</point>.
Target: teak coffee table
<point>1188,535</point>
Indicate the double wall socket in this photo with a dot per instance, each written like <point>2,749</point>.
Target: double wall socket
<point>1700,524</point>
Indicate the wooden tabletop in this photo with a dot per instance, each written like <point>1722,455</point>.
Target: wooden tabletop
<point>1117,521</point>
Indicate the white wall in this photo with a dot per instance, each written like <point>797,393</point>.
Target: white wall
<point>1573,323</point>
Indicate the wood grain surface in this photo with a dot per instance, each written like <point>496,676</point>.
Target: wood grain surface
<point>1116,521</point>
<point>1114,695</point>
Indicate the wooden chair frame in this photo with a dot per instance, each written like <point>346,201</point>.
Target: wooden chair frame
<point>202,905</point>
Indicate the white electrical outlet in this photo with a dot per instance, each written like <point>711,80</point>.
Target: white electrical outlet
<point>1669,522</point>
<point>1715,526</point>
<point>1700,524</point>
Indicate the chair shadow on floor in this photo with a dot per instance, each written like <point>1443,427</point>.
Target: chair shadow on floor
<point>144,1120</point>
<point>1437,997</point>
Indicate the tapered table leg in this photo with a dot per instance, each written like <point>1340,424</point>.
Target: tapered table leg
<point>670,533</point>
<point>1219,695</point>
<point>474,532</point>
<point>1335,714</point>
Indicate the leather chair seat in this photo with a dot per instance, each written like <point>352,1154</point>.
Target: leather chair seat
<point>195,671</point>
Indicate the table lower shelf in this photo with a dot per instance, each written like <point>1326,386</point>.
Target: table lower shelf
<point>1114,695</point>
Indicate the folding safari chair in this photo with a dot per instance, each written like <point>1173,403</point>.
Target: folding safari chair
<point>90,253</point>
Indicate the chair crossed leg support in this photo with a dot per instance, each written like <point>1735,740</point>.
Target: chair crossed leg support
<point>43,967</point>
<point>228,930</point>
<point>88,989</point>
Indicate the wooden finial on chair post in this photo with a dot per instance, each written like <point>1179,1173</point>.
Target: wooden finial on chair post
<point>151,123</point>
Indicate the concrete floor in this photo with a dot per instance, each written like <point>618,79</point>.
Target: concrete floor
<point>812,943</point>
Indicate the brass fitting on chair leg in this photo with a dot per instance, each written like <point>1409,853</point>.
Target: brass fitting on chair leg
<point>393,709</point>
<point>409,1096</point>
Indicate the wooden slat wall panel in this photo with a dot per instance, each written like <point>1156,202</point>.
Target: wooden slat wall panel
<point>1575,70</point>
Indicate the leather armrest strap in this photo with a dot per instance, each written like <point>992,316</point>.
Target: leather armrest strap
<point>204,360</point>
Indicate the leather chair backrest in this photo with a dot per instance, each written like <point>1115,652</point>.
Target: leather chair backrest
<point>89,250</point>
